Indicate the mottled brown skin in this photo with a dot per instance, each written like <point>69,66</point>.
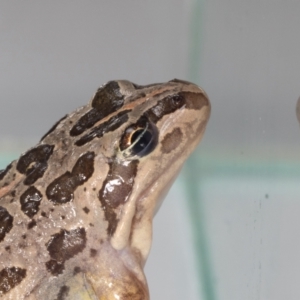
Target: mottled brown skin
<point>76,210</point>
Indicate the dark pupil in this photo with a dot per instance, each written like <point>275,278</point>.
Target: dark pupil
<point>143,140</point>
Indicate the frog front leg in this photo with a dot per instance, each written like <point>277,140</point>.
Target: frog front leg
<point>119,275</point>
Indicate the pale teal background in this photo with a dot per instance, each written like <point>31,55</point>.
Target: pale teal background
<point>229,228</point>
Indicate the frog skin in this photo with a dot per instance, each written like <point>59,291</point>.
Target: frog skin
<point>76,210</point>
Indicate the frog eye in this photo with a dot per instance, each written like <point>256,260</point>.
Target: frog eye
<point>139,139</point>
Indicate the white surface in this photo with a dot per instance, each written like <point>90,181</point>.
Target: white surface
<point>253,226</point>
<point>170,269</point>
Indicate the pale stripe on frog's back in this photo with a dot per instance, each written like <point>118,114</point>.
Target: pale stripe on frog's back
<point>76,210</point>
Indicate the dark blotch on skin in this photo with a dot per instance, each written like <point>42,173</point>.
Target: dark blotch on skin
<point>10,277</point>
<point>110,125</point>
<point>111,218</point>
<point>61,190</point>
<point>63,293</point>
<point>171,103</point>
<point>34,163</point>
<point>63,246</point>
<point>165,106</point>
<point>30,201</point>
<point>22,245</point>
<point>123,174</point>
<point>76,270</point>
<point>54,267</point>
<point>86,210</point>
<point>6,223</point>
<point>111,196</point>
<point>53,127</point>
<point>193,100</point>
<point>171,140</point>
<point>31,224</point>
<point>107,100</point>
<point>93,252</point>
<point>4,172</point>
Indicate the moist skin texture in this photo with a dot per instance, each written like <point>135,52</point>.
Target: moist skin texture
<point>76,210</point>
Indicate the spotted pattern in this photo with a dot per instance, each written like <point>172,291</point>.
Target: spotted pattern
<point>170,104</point>
<point>31,224</point>
<point>193,100</point>
<point>71,246</point>
<point>93,252</point>
<point>5,171</point>
<point>116,190</point>
<point>172,140</point>
<point>165,106</point>
<point>63,293</point>
<point>61,190</point>
<point>6,223</point>
<point>30,201</point>
<point>76,270</point>
<point>63,246</point>
<point>97,132</point>
<point>10,277</point>
<point>107,100</point>
<point>34,163</point>
<point>86,210</point>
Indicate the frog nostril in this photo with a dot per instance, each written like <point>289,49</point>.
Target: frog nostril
<point>178,101</point>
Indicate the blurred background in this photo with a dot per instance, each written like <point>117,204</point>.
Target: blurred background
<point>229,228</point>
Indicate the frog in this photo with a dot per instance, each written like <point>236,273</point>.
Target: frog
<point>76,210</point>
